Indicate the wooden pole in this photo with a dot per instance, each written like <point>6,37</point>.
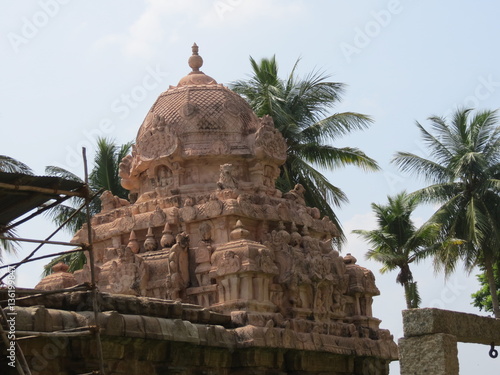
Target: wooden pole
<point>54,232</point>
<point>45,242</point>
<point>21,364</point>
<point>40,190</point>
<point>43,257</point>
<point>38,212</point>
<point>92,265</point>
<point>34,334</point>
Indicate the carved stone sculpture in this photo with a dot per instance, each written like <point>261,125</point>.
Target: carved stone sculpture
<point>205,167</point>
<point>178,267</point>
<point>167,238</point>
<point>227,180</point>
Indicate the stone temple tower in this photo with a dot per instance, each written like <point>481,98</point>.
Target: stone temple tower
<point>205,224</point>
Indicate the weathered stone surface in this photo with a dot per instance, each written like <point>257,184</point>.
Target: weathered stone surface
<point>59,279</point>
<point>434,354</point>
<point>206,224</point>
<point>211,259</point>
<point>114,324</point>
<point>465,327</point>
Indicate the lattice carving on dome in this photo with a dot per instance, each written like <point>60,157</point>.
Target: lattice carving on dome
<point>159,141</point>
<point>168,104</point>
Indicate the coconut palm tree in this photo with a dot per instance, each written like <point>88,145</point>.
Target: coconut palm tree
<point>397,242</point>
<point>11,165</point>
<point>300,109</point>
<point>104,175</point>
<point>464,176</point>
<point>482,298</point>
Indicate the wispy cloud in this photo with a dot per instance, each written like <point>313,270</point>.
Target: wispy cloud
<point>165,21</point>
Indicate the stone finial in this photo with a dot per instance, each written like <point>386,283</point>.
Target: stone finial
<point>167,239</point>
<point>60,267</point>
<point>196,76</point>
<point>195,61</point>
<point>349,259</point>
<point>281,226</point>
<point>296,238</point>
<point>239,232</point>
<point>150,244</point>
<point>133,244</point>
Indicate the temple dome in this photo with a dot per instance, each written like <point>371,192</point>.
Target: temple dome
<point>198,116</point>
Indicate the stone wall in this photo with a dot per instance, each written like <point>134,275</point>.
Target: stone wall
<point>152,336</point>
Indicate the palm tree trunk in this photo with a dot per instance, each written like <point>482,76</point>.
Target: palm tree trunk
<point>493,288</point>
<point>406,285</point>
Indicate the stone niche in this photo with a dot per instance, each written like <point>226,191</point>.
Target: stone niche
<point>205,224</point>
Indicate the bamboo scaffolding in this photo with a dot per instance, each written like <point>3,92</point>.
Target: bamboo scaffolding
<point>39,293</point>
<point>34,334</point>
<point>42,257</point>
<point>38,212</point>
<point>44,242</point>
<point>21,366</point>
<point>53,233</point>
<point>93,284</point>
<point>41,190</point>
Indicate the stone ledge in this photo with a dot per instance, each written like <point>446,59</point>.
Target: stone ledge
<point>465,327</point>
<point>126,326</point>
<point>125,304</point>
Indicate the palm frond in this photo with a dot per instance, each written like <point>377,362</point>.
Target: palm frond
<point>421,167</point>
<point>61,172</point>
<point>75,261</point>
<point>465,170</point>
<point>8,246</point>
<point>300,108</point>
<point>336,126</point>
<point>11,165</point>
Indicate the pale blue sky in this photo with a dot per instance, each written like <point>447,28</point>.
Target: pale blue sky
<point>73,70</point>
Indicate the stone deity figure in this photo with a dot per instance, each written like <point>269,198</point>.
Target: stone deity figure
<point>179,266</point>
<point>228,266</point>
<point>227,178</point>
<point>162,177</point>
<point>203,254</point>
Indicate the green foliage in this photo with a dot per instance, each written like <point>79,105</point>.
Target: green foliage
<point>397,243</point>
<point>482,298</point>
<point>300,109</point>
<point>464,173</point>
<point>75,261</point>
<point>413,295</point>
<point>11,165</point>
<point>104,175</point>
